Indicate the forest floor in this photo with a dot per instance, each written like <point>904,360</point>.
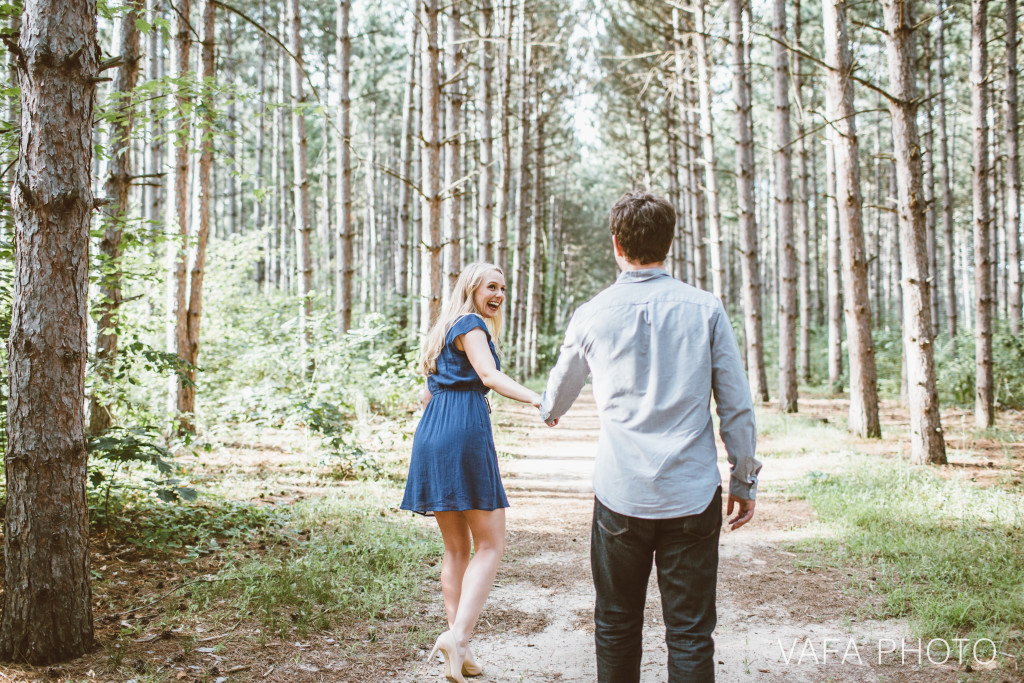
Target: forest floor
<point>787,612</point>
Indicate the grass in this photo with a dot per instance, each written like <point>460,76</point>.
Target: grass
<point>348,557</point>
<point>947,556</point>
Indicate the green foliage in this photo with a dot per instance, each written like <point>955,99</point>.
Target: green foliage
<point>184,530</point>
<point>955,368</point>
<point>352,559</point>
<point>123,447</point>
<point>945,554</point>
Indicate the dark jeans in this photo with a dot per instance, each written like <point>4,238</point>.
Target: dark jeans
<point>685,550</point>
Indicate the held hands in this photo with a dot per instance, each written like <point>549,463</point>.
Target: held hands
<point>744,513</point>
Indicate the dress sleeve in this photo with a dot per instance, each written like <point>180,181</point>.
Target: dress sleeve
<point>464,324</point>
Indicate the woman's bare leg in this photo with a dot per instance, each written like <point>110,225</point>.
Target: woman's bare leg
<point>457,549</point>
<point>488,531</point>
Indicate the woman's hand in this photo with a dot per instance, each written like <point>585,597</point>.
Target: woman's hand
<point>425,397</point>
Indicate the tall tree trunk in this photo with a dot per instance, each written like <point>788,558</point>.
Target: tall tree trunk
<point>522,196</point>
<point>406,184</point>
<point>697,197</point>
<point>926,442</point>
<point>178,211</point>
<point>506,142</point>
<point>156,195</point>
<point>708,140</point>
<point>454,190</point>
<point>949,238</point>
<point>928,141</point>
<point>803,217</point>
<point>984,413</point>
<point>784,216</point>
<point>117,188</point>
<point>432,160</point>
<point>839,96</point>
<point>485,252</point>
<point>344,265</point>
<point>190,351</point>
<point>47,601</point>
<point>537,234</point>
<point>835,274</point>
<point>1012,172</point>
<point>749,243</point>
<point>301,180</point>
<point>687,191</point>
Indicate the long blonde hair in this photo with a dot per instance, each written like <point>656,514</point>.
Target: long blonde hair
<point>461,302</point>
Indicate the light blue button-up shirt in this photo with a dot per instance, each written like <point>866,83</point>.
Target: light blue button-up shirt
<point>658,349</point>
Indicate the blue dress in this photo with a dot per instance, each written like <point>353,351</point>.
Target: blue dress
<point>454,465</point>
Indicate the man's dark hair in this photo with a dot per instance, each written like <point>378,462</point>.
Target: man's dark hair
<point>644,225</point>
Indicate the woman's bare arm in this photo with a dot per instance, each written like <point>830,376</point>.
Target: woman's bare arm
<point>474,343</point>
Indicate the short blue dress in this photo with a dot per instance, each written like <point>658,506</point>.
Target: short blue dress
<point>454,465</point>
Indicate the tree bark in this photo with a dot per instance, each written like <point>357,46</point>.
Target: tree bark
<point>406,184</point>
<point>784,214</point>
<point>835,274</point>
<point>432,160</point>
<point>190,351</point>
<point>485,252</point>
<point>1010,120</point>
<point>927,445</point>
<point>178,211</point>
<point>803,217</point>
<point>47,601</point>
<point>522,265</point>
<point>708,145</point>
<point>344,265</point>
<point>984,409</point>
<point>301,180</point>
<point>946,183</point>
<point>749,243</point>
<point>839,101</point>
<point>453,154</point>
<point>117,188</point>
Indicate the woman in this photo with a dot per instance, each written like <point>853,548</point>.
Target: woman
<point>453,472</point>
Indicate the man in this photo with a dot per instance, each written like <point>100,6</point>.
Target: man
<point>658,349</point>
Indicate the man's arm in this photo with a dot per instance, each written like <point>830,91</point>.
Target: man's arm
<point>736,417</point>
<point>566,378</point>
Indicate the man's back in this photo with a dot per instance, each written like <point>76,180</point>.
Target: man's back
<point>657,349</point>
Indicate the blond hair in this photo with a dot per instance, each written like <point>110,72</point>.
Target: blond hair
<point>462,302</point>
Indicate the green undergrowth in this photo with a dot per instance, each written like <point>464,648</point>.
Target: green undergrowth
<point>946,555</point>
<point>345,557</point>
<point>184,530</point>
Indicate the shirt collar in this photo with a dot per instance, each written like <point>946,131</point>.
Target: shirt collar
<point>628,276</point>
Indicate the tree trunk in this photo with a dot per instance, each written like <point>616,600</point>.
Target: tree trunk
<point>708,140</point>
<point>949,238</point>
<point>301,180</point>
<point>784,216</point>
<point>485,252</point>
<point>344,265</point>
<point>803,218</point>
<point>522,198</point>
<point>190,351</point>
<point>405,186</point>
<point>537,234</point>
<point>178,210</point>
<point>926,442</point>
<point>1012,172</point>
<point>432,160</point>
<point>835,274</point>
<point>453,154</point>
<point>117,188</point>
<point>749,243</point>
<point>47,601</point>
<point>506,142</point>
<point>984,412</point>
<point>839,97</point>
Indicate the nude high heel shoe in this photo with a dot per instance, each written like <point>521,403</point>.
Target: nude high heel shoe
<point>470,667</point>
<point>445,644</point>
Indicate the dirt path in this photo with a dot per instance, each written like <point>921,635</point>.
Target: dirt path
<point>773,617</point>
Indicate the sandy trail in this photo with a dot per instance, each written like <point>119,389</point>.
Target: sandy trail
<point>774,618</point>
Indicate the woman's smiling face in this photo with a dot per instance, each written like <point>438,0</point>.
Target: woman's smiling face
<point>490,294</point>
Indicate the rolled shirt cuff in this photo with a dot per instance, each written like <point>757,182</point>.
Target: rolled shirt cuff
<point>743,489</point>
